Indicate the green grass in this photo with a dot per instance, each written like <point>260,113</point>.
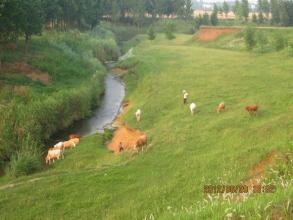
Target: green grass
<point>235,41</point>
<point>185,152</point>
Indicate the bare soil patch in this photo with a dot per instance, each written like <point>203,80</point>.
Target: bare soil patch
<point>28,70</point>
<point>127,136</point>
<point>119,71</point>
<point>257,173</point>
<point>212,33</point>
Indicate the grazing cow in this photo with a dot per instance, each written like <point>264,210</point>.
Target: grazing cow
<point>73,136</point>
<point>69,144</point>
<point>252,109</point>
<point>138,115</point>
<point>54,153</point>
<point>221,107</point>
<point>192,108</point>
<point>59,144</point>
<point>142,141</point>
<point>185,97</point>
<point>75,140</point>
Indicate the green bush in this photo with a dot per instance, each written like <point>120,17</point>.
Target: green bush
<point>279,42</point>
<point>24,164</point>
<point>249,37</point>
<point>27,160</point>
<point>107,135</point>
<point>169,30</point>
<point>290,49</point>
<point>151,33</point>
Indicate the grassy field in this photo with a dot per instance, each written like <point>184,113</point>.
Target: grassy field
<point>185,152</point>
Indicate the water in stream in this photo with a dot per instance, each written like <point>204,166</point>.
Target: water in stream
<point>107,111</point>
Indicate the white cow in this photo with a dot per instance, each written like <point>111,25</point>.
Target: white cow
<point>138,115</point>
<point>192,108</point>
<point>54,153</point>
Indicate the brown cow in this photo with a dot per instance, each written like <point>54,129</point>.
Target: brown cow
<point>141,142</point>
<point>69,144</point>
<point>221,107</point>
<point>73,136</point>
<point>252,109</point>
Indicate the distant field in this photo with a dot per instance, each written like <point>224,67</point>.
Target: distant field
<point>185,152</point>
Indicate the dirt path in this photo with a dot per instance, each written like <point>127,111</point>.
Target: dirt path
<point>27,70</point>
<point>212,33</point>
<point>11,185</point>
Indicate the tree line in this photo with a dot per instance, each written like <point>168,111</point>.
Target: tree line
<point>27,17</point>
<point>277,12</point>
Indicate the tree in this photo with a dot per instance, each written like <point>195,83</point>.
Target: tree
<point>237,9</point>
<point>249,37</point>
<point>205,19</point>
<point>32,19</point>
<point>214,16</point>
<point>245,9</point>
<point>259,6</point>
<point>226,8</point>
<point>266,8</point>
<point>286,12</point>
<point>188,11</point>
<point>254,18</point>
<point>150,7</point>
<point>151,33</point>
<point>260,18</point>
<point>115,11</point>
<point>275,11</point>
<point>10,20</point>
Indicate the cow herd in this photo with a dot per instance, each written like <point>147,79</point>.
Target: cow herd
<point>251,109</point>
<point>57,152</point>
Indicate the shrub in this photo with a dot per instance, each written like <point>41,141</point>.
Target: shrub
<point>290,49</point>
<point>279,42</point>
<point>27,160</point>
<point>262,40</point>
<point>107,135</point>
<point>151,33</point>
<point>249,37</point>
<point>169,29</point>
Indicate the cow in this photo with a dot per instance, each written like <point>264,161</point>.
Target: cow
<point>54,153</point>
<point>72,136</point>
<point>141,142</point>
<point>138,115</point>
<point>221,107</point>
<point>252,109</point>
<point>75,140</point>
<point>192,108</point>
<point>69,144</point>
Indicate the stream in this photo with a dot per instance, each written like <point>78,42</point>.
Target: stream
<point>102,117</point>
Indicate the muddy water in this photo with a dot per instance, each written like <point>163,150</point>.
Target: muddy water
<point>107,111</point>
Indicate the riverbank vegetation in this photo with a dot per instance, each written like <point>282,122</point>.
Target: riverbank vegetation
<point>59,81</point>
<point>185,153</point>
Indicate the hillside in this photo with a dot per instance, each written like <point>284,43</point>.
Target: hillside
<point>185,152</point>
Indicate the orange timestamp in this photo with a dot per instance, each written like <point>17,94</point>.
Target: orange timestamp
<point>239,189</point>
